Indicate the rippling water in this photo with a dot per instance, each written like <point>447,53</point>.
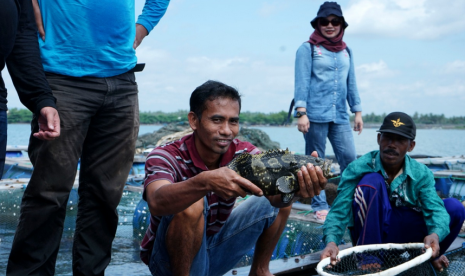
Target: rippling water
<point>434,142</point>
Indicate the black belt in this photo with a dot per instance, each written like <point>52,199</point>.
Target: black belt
<point>138,68</point>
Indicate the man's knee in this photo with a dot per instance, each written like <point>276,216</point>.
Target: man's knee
<point>455,209</point>
<point>373,180</point>
<point>193,215</point>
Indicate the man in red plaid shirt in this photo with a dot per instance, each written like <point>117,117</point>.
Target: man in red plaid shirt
<point>191,194</point>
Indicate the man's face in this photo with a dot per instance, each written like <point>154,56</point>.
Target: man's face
<point>217,128</point>
<point>393,148</point>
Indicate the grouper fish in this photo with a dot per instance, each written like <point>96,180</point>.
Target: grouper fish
<point>275,171</point>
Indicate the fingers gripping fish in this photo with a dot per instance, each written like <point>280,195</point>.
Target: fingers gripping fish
<point>275,171</point>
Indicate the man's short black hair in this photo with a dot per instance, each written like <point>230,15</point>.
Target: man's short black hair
<point>209,91</point>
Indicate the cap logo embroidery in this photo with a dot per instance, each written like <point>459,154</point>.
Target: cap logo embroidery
<point>397,123</point>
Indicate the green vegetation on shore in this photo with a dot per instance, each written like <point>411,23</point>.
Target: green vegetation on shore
<point>16,115</point>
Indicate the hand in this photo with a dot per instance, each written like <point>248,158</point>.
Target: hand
<point>227,184</point>
<point>331,250</point>
<point>141,32</point>
<point>38,16</point>
<point>358,122</point>
<point>49,124</point>
<point>311,180</point>
<point>303,124</point>
<point>433,242</point>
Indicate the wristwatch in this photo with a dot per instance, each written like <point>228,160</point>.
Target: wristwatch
<point>299,114</point>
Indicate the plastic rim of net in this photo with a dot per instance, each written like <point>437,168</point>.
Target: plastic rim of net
<point>368,249</point>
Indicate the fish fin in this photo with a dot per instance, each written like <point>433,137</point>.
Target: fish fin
<point>287,197</point>
<point>272,153</point>
<point>243,158</point>
<point>286,184</point>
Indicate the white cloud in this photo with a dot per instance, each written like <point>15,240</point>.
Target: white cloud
<point>412,19</point>
<point>457,67</point>
<point>375,69</point>
<point>370,74</point>
<point>268,9</point>
<point>168,80</point>
<point>423,96</point>
<point>198,64</point>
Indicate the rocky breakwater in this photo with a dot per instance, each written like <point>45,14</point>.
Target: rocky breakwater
<point>175,131</point>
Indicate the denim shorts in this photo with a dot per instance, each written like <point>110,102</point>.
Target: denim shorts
<point>220,252</point>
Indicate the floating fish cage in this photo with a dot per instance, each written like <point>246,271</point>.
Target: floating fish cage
<point>300,237</point>
<point>125,252</point>
<point>457,263</point>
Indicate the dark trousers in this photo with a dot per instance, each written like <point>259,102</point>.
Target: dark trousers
<point>99,124</point>
<point>377,221</point>
<point>3,140</point>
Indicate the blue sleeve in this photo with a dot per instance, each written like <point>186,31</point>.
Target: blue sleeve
<point>152,13</point>
<point>303,72</point>
<point>352,92</point>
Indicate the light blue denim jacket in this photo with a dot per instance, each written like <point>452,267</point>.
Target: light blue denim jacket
<point>324,83</point>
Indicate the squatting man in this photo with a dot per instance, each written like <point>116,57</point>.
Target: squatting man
<point>392,198</point>
<point>193,228</point>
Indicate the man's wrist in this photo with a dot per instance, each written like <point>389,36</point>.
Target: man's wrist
<point>201,181</point>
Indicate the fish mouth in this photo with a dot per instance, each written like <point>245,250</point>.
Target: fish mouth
<point>326,168</point>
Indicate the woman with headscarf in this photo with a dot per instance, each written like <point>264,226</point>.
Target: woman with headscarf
<point>324,82</point>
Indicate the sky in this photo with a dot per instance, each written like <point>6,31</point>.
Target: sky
<point>409,54</point>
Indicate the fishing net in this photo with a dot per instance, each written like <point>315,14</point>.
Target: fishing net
<point>380,259</point>
<point>456,263</point>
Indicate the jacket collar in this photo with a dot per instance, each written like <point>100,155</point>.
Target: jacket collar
<point>378,166</point>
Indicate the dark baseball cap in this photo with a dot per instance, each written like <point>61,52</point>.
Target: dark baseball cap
<point>399,123</point>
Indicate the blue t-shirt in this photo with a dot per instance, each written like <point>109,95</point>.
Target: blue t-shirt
<point>93,37</point>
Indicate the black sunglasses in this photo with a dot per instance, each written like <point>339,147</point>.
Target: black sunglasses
<point>335,21</point>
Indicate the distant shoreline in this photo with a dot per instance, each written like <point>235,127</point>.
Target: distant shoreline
<point>365,125</point>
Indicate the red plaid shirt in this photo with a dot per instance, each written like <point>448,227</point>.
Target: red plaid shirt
<point>179,161</point>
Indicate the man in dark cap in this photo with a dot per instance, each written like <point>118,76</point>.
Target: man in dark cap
<point>389,194</point>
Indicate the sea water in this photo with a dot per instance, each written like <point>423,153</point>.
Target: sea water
<point>431,142</point>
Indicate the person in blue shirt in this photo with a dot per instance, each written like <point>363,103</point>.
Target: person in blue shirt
<point>324,83</point>
<point>88,54</point>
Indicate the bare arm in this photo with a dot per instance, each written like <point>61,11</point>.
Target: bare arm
<point>433,242</point>
<point>141,33</point>
<point>303,124</point>
<point>358,122</point>
<point>49,124</point>
<point>165,198</point>
<point>331,250</point>
<point>38,17</point>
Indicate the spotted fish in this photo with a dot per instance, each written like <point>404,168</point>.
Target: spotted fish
<point>275,171</point>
